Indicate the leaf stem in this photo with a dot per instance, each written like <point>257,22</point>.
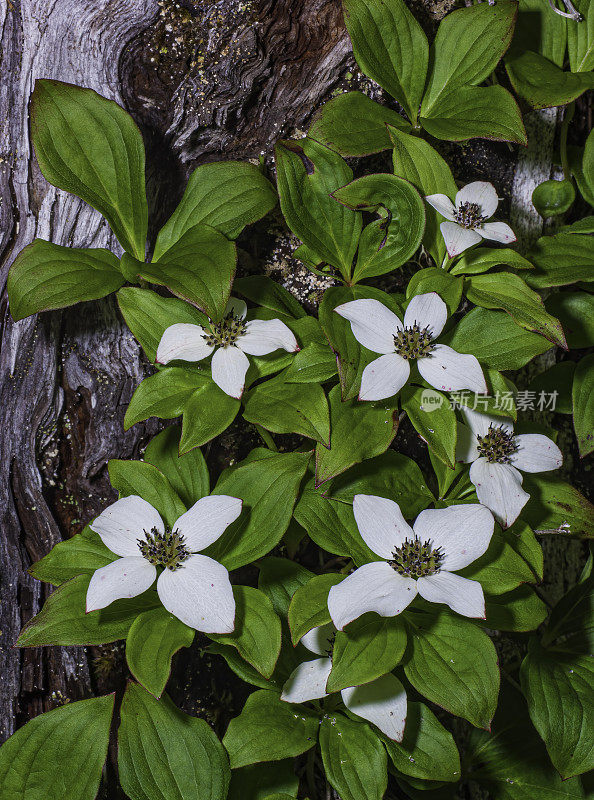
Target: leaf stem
<point>267,438</point>
<point>567,117</point>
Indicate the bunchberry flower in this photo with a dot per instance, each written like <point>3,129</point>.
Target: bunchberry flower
<point>228,341</point>
<point>418,560</point>
<point>497,455</point>
<point>382,701</point>
<point>467,217</point>
<point>194,588</point>
<point>380,330</point>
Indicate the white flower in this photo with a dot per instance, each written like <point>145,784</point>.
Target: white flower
<point>194,588</point>
<point>497,455</point>
<point>475,203</point>
<point>421,559</point>
<point>379,329</point>
<point>228,341</point>
<point>382,701</point>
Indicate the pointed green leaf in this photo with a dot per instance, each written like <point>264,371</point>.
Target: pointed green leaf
<point>91,147</point>
<point>62,751</point>
<point>45,276</point>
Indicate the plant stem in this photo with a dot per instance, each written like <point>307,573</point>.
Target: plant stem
<point>568,116</point>
<point>267,437</point>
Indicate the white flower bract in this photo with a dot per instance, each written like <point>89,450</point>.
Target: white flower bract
<point>422,559</point>
<point>228,341</point>
<point>381,701</point>
<point>380,330</point>
<point>466,217</point>
<point>497,455</point>
<point>194,588</point>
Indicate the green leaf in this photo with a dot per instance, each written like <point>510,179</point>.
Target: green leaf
<point>80,555</point>
<point>583,407</point>
<point>279,579</point>
<point>519,610</point>
<point>144,480</point>
<point>512,763</point>
<point>415,160</point>
<point>63,619</point>
<point>264,781</point>
<point>390,241</point>
<point>538,30</point>
<point>164,394</point>
<point>207,413</point>
<point>482,259</point>
<point>355,125</point>
<point>559,691</point>
<point>257,633</point>
<point>553,197</point>
<point>331,525</point>
<point>154,638</point>
<point>268,294</point>
<point>241,668</point>
<point>283,407</point>
<point>580,39</point>
<point>225,195</point>
<point>561,259</point>
<point>354,758</point>
<point>575,311</point>
<point>390,47</point>
<point>507,346</point>
<point>359,430</point>
<point>390,475</point>
<point>454,664</point>
<point>91,147</point>
<point>352,358</point>
<point>509,292</point>
<point>543,84</point>
<point>307,174</point>
<point>556,507</point>
<point>502,567</point>
<point>428,750</point>
<point>587,166</point>
<point>148,315</point>
<point>268,729</point>
<point>366,649</point>
<point>488,112</point>
<point>198,267</point>
<point>309,606</point>
<point>468,46</point>
<point>61,751</point>
<point>187,474</point>
<point>268,488</point>
<point>45,276</point>
<point>431,414</point>
<point>163,752</point>
<point>316,363</point>
<point>434,279</point>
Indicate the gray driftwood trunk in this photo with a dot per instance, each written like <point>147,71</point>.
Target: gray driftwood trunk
<point>205,80</point>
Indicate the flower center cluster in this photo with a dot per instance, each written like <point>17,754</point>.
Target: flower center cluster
<point>497,445</point>
<point>468,215</point>
<point>330,648</point>
<point>164,549</point>
<point>413,342</point>
<point>417,559</point>
<point>226,332</point>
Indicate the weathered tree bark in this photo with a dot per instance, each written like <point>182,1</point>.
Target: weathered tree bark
<point>205,80</point>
